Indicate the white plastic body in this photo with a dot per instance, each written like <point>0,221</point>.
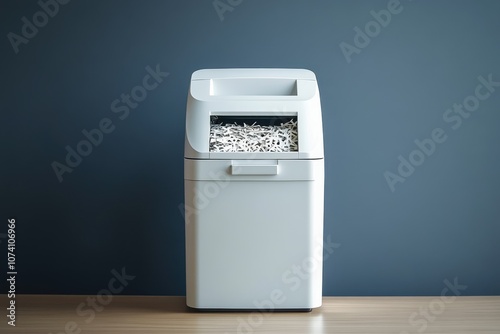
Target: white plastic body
<point>254,221</point>
<point>254,241</point>
<point>267,92</point>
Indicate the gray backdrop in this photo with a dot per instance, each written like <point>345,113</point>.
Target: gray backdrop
<point>417,91</point>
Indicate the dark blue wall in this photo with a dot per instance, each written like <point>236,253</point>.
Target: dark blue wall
<point>119,206</point>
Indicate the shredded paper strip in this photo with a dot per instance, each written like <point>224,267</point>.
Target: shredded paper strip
<point>254,138</point>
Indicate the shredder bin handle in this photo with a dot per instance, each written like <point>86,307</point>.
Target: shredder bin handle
<point>254,169</point>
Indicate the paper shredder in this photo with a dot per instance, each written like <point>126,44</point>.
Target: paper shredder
<point>254,190</point>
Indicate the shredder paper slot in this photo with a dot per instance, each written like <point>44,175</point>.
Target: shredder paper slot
<point>253,133</point>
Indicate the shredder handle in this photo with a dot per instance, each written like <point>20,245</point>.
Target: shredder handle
<point>254,169</point>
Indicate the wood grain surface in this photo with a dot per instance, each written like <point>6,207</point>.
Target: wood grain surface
<point>147,314</point>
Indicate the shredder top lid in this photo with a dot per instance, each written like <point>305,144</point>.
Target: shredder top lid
<point>207,74</point>
<point>258,93</point>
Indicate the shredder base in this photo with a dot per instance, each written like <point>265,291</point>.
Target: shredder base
<point>229,310</point>
<point>255,244</point>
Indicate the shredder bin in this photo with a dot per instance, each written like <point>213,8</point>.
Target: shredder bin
<point>254,190</point>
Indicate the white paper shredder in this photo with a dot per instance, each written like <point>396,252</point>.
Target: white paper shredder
<point>254,190</point>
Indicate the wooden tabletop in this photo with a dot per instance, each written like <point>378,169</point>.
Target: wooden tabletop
<point>147,314</point>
